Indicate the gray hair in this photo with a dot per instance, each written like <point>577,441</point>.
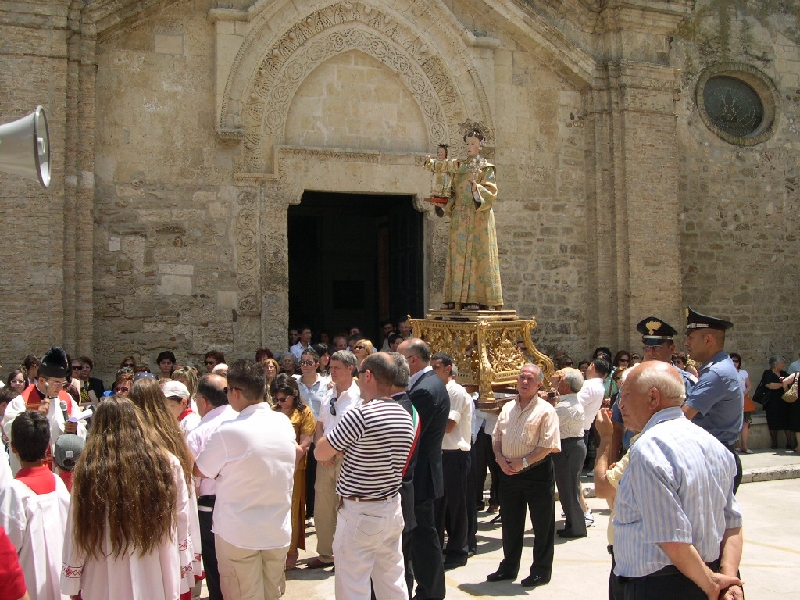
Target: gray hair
<point>345,357</point>
<point>774,360</point>
<point>536,370</point>
<point>454,370</point>
<point>574,379</point>
<point>419,348</point>
<point>401,381</point>
<point>666,380</point>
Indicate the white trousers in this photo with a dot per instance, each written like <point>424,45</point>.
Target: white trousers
<point>368,544</point>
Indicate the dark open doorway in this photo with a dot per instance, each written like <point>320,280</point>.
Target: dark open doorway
<point>354,259</point>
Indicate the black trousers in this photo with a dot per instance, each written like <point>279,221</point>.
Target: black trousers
<point>667,584</point>
<point>532,490</point>
<point>472,507</point>
<point>485,458</point>
<point>311,480</point>
<point>426,553</point>
<point>451,509</point>
<point>209,547</point>
<point>737,479</point>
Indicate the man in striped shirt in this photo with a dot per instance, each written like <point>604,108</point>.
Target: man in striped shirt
<point>678,528</point>
<point>375,439</point>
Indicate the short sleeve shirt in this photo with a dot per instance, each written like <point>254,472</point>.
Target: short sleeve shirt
<point>522,430</point>
<point>719,399</point>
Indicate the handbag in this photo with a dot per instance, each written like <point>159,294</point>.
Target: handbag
<point>790,395</point>
<point>761,395</point>
<point>748,404</point>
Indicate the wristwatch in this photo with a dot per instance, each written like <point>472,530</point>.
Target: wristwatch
<point>524,462</point>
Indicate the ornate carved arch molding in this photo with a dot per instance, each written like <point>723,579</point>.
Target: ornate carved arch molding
<point>437,70</point>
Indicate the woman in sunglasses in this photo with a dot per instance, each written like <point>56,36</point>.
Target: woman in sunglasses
<point>362,350</point>
<point>286,397</point>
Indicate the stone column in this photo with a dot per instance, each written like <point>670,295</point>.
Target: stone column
<point>634,197</point>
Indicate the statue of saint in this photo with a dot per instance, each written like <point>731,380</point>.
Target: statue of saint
<point>472,274</point>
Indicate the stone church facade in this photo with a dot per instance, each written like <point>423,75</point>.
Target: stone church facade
<point>184,131</point>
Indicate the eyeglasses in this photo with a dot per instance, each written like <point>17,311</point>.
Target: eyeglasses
<point>306,363</point>
<point>77,367</point>
<point>122,389</point>
<point>358,348</point>
<point>129,365</point>
<point>333,406</point>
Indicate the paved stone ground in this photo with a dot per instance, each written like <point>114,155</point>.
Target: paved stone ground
<point>770,565</point>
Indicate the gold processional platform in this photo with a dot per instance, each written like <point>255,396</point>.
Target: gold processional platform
<point>485,346</point>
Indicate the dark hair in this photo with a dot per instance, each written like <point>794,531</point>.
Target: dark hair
<point>356,337</point>
<point>393,337</point>
<point>286,384</point>
<point>13,374</point>
<point>382,367</point>
<point>30,435</point>
<point>604,350</point>
<point>30,361</point>
<point>302,328</point>
<point>446,359</point>
<point>601,366</point>
<point>732,355</point>
<point>250,377</point>
<point>619,355</point>
<point>7,394</point>
<point>445,147</point>
<point>216,355</point>
<point>127,359</point>
<point>216,396</point>
<point>166,354</point>
<point>86,360</point>
<point>311,352</point>
<point>321,349</point>
<point>263,353</point>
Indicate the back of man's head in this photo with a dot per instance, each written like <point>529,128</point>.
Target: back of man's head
<point>30,436</point>
<point>249,377</point>
<point>419,348</point>
<point>382,367</point>
<point>602,367</point>
<point>663,377</point>
<point>212,388</point>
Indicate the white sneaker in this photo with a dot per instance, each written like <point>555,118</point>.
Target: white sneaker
<point>588,517</point>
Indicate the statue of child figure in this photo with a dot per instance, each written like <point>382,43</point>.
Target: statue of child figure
<point>443,169</point>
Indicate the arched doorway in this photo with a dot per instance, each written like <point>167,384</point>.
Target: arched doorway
<point>354,259</point>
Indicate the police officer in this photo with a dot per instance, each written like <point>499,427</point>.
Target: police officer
<point>657,337</point>
<point>716,402</point>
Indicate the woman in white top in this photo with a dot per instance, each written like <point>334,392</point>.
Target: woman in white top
<point>135,551</point>
<point>749,406</point>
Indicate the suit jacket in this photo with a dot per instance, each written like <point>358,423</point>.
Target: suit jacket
<point>407,487</point>
<point>429,396</point>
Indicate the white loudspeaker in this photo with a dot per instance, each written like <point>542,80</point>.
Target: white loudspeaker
<point>25,147</point>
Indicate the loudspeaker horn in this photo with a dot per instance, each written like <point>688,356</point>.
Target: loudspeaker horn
<point>25,147</point>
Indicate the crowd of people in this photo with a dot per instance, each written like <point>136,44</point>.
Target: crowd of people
<point>177,476</point>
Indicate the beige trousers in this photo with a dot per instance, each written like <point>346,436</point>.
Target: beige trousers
<point>250,574</point>
<point>326,503</point>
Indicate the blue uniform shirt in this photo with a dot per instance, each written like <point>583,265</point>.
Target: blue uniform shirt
<point>719,399</point>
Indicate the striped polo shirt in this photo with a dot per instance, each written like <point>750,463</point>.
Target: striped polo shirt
<point>375,438</point>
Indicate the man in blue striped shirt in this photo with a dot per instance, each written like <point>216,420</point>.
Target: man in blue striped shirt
<point>678,528</point>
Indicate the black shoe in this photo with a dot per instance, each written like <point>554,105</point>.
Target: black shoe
<point>501,576</point>
<point>453,562</point>
<point>471,553</point>
<point>534,580</point>
<point>568,533</point>
<point>497,519</point>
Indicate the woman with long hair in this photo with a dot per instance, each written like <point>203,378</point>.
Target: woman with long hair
<point>287,400</point>
<point>128,517</point>
<point>271,368</point>
<point>324,353</point>
<point>148,397</point>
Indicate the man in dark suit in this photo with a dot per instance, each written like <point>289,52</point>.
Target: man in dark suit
<point>429,396</point>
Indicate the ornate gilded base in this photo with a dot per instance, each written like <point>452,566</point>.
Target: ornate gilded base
<point>488,346</point>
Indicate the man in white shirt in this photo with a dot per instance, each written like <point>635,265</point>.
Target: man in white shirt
<point>304,343</point>
<point>451,509</point>
<point>253,459</point>
<point>212,402</point>
<point>591,394</point>
<point>342,397</point>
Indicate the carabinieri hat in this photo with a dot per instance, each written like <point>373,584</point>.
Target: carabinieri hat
<point>655,331</point>
<point>695,320</point>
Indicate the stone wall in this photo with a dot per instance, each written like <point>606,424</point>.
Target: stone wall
<point>739,204</point>
<point>183,130</point>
